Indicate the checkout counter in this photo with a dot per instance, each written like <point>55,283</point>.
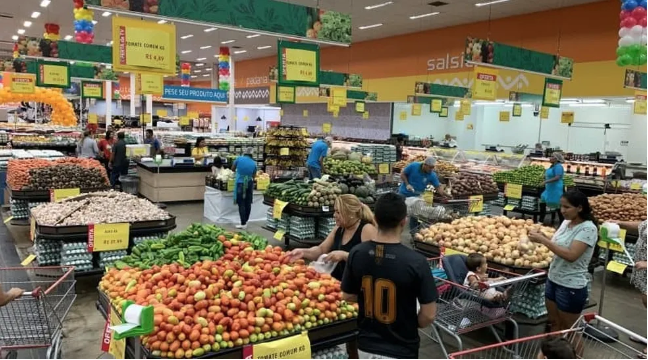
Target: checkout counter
<point>176,179</point>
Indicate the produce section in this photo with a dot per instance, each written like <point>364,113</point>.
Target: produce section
<point>65,173</point>
<point>623,207</point>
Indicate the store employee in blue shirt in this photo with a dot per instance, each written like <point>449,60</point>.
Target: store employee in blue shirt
<point>318,152</point>
<point>245,168</point>
<point>415,178</point>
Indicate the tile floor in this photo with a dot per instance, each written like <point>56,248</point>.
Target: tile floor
<point>84,324</point>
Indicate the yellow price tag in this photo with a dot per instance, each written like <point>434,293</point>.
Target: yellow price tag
<point>339,96</point>
<point>230,185</point>
<point>360,106</point>
<point>146,119</point>
<point>305,113</point>
<point>8,219</point>
<point>544,112</point>
<point>92,118</point>
<point>616,267</point>
<point>567,117</point>
<point>504,116</point>
<point>57,195</point>
<point>436,105</point>
<point>476,203</point>
<point>139,151</point>
<point>449,251</point>
<point>28,260</point>
<point>263,183</point>
<point>184,121</point>
<point>552,93</point>
<point>466,107</point>
<point>56,75</point>
<point>509,207</point>
<point>279,235</point>
<point>513,191</point>
<point>152,84</point>
<point>635,186</point>
<point>383,168</point>
<point>403,115</point>
<point>294,347</point>
<point>485,83</point>
<point>326,128</point>
<point>640,103</point>
<point>365,115</point>
<point>428,197</point>
<point>336,113</point>
<point>281,112</point>
<point>517,110</point>
<point>416,109</point>
<point>117,347</point>
<point>193,114</point>
<point>108,237</point>
<point>278,208</point>
<point>161,113</point>
<point>284,151</point>
<point>459,116</point>
<point>304,132</point>
<point>286,94</point>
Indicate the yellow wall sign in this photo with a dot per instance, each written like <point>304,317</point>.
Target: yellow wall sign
<point>403,115</point>
<point>51,74</point>
<point>485,83</point>
<point>152,84</point>
<point>339,96</point>
<point>326,128</point>
<point>459,116</point>
<point>108,237</point>
<point>285,94</point>
<point>517,110</point>
<point>360,106</point>
<point>294,347</point>
<point>476,203</point>
<point>22,83</point>
<point>416,109</point>
<point>383,168</point>
<point>145,46</point>
<point>513,191</point>
<point>278,208</point>
<point>184,121</point>
<point>92,118</point>
<point>567,117</point>
<point>57,195</point>
<point>300,65</point>
<point>146,119</point>
<point>504,116</point>
<point>544,112</point>
<point>365,115</point>
<point>436,105</point>
<point>466,107</point>
<point>305,113</point>
<point>640,103</point>
<point>193,114</point>
<point>161,113</point>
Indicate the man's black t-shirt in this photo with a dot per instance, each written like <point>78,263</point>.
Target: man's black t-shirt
<point>388,279</point>
<point>119,154</point>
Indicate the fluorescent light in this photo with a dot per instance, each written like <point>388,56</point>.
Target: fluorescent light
<point>68,37</point>
<point>207,69</point>
<point>490,3</point>
<point>630,101</point>
<point>15,38</point>
<point>227,41</point>
<point>162,22</point>
<point>186,51</point>
<point>109,43</point>
<point>94,22</point>
<point>35,14</point>
<point>201,59</point>
<point>240,52</point>
<point>72,63</point>
<point>369,26</point>
<point>423,15</point>
<point>569,101</point>
<point>21,31</point>
<point>200,64</point>
<point>206,75</point>
<point>27,23</point>
<point>210,29</point>
<point>44,3</point>
<point>106,13</point>
<point>205,47</point>
<point>253,36</point>
<point>593,101</point>
<point>193,76</point>
<point>587,105</point>
<point>186,36</point>
<point>371,7</point>
<point>264,47</point>
<point>197,71</point>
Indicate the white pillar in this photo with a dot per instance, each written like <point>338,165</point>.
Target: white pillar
<point>230,103</point>
<point>214,85</point>
<point>132,94</point>
<point>108,103</point>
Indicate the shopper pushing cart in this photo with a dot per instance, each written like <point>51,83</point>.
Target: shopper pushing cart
<point>33,318</point>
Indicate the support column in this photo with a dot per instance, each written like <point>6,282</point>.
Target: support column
<point>230,102</point>
<point>149,109</point>
<point>108,103</point>
<point>132,94</point>
<point>214,85</point>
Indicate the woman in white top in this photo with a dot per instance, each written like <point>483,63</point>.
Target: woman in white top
<point>87,147</point>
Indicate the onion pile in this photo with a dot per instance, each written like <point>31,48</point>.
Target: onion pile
<point>499,239</point>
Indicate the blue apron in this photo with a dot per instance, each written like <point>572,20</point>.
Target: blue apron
<point>553,190</point>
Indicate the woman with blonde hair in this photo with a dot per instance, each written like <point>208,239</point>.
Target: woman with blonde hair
<point>354,223</point>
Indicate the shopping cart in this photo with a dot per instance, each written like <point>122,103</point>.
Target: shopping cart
<point>461,310</point>
<point>580,336</point>
<point>35,320</point>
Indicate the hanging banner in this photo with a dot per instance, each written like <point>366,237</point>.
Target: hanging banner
<point>152,84</point>
<point>416,109</point>
<point>567,117</point>
<point>53,74</point>
<point>504,116</point>
<point>436,105</point>
<point>465,107</point>
<point>190,94</point>
<point>143,46</point>
<point>552,92</point>
<point>299,63</point>
<point>92,90</point>
<point>22,83</point>
<point>640,103</point>
<point>544,112</point>
<point>285,94</point>
<point>485,83</point>
<point>517,110</point>
<point>444,112</point>
<point>489,53</point>
<point>424,88</point>
<point>634,80</point>
<point>333,78</point>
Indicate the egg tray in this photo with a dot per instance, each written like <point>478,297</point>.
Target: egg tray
<point>298,210</point>
<point>51,232</point>
<point>43,194</point>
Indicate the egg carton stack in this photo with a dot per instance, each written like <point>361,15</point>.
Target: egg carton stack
<point>514,202</point>
<point>302,227</point>
<point>335,352</point>
<point>4,137</point>
<point>33,204</point>
<point>19,209</point>
<point>530,203</point>
<point>284,223</point>
<point>108,257</point>
<point>324,227</point>
<point>487,210</point>
<point>379,153</point>
<point>271,222</point>
<point>76,254</point>
<point>532,302</point>
<point>139,239</point>
<point>622,257</point>
<point>501,199</point>
<point>48,252</point>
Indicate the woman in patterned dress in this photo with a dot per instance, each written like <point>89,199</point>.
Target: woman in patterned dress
<point>639,274</point>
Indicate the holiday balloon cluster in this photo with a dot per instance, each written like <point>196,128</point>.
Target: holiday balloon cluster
<point>223,68</point>
<point>185,74</point>
<point>83,26</point>
<point>632,35</point>
<point>51,32</point>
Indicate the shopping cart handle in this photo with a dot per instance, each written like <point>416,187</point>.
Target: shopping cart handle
<point>486,285</point>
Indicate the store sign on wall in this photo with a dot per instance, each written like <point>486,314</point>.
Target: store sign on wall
<point>143,46</point>
<point>190,94</point>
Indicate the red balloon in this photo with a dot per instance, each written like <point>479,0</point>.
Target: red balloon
<point>624,14</point>
<point>643,22</point>
<point>629,22</point>
<point>639,13</point>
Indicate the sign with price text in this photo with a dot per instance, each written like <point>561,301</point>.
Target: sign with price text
<point>143,46</point>
<point>108,237</point>
<point>53,74</point>
<point>299,63</point>
<point>22,83</point>
<point>485,85</point>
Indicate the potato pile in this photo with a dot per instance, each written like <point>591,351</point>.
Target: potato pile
<point>500,239</point>
<point>625,207</point>
<point>467,184</point>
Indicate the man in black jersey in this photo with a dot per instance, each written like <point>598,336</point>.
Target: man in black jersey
<point>386,278</point>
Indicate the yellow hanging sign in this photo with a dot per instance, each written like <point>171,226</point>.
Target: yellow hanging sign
<point>459,116</point>
<point>263,183</point>
<point>336,113</point>
<point>360,106</point>
<point>300,65</point>
<point>339,96</point>
<point>513,191</point>
<point>151,84</point>
<point>436,105</point>
<point>403,115</point>
<point>284,151</point>
<point>330,107</point>
<point>544,112</point>
<point>567,117</point>
<point>416,109</point>
<point>108,237</point>
<point>146,119</point>
<point>161,113</point>
<point>444,112</point>
<point>184,121</point>
<point>92,118</point>
<point>22,83</point>
<point>485,83</point>
<point>326,128</point>
<point>286,94</point>
<point>640,103</point>
<point>504,116</point>
<point>365,115</point>
<point>383,168</point>
<point>465,107</point>
<point>144,46</point>
<point>278,208</point>
<point>54,75</point>
<point>517,110</point>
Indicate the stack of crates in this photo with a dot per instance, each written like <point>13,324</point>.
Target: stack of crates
<point>380,154</point>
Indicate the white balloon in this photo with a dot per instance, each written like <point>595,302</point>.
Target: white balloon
<point>624,31</point>
<point>625,41</point>
<point>636,30</point>
<point>644,39</point>
<point>644,31</point>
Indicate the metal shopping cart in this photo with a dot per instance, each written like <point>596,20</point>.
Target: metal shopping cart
<point>585,346</point>
<point>461,310</point>
<point>35,320</point>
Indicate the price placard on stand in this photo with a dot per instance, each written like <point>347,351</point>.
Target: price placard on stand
<point>552,92</point>
<point>383,168</point>
<point>278,208</point>
<point>284,151</point>
<point>476,203</point>
<point>108,237</point>
<point>616,267</point>
<point>263,183</point>
<point>294,347</point>
<point>436,105</point>
<point>513,191</point>
<point>428,197</point>
<point>517,110</point>
<point>279,235</point>
<point>509,207</point>
<point>57,195</point>
<point>544,112</point>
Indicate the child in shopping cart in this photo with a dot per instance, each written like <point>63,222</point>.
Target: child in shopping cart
<point>477,273</point>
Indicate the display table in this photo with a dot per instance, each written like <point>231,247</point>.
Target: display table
<point>172,183</point>
<point>220,207</point>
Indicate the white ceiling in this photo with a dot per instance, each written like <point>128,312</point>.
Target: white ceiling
<point>394,17</point>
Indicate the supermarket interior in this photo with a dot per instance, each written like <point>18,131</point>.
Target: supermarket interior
<point>195,179</point>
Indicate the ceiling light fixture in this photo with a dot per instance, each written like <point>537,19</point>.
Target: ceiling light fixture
<point>44,3</point>
<point>200,64</point>
<point>587,105</point>
<point>490,3</point>
<point>106,13</point>
<point>240,52</point>
<point>186,36</point>
<point>14,38</point>
<point>205,75</point>
<point>109,43</point>
<point>264,47</point>
<point>414,17</point>
<point>21,31</point>
<point>207,69</point>
<point>193,76</point>
<point>210,29</point>
<point>186,51</point>
<point>253,36</point>
<point>162,22</point>
<point>370,26</point>
<point>205,47</point>
<point>197,71</point>
<point>227,41</point>
<point>201,59</point>
<point>94,22</point>
<point>27,23</point>
<point>35,14</point>
<point>569,101</point>
<point>371,7</point>
<point>593,101</point>
<point>68,37</point>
